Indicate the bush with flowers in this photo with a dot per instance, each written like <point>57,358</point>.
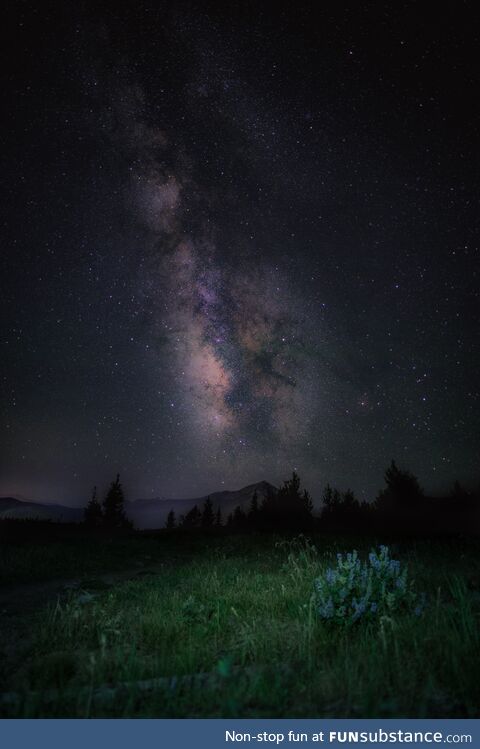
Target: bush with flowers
<point>360,590</point>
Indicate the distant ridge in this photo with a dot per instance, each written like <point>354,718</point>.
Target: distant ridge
<point>152,513</point>
<point>19,508</point>
<point>145,513</point>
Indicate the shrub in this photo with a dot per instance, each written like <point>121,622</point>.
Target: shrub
<point>302,558</point>
<point>357,590</point>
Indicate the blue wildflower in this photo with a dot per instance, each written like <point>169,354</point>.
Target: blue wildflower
<point>330,576</point>
<point>354,589</point>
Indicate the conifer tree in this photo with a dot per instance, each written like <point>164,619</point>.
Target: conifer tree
<point>93,511</point>
<point>289,507</point>
<point>193,518</point>
<point>207,514</point>
<point>327,496</point>
<point>254,510</point>
<point>307,503</point>
<point>113,506</point>
<point>402,488</point>
<point>239,518</point>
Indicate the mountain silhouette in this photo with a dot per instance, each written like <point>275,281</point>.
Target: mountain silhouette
<point>144,513</point>
<point>152,513</point>
<point>19,508</point>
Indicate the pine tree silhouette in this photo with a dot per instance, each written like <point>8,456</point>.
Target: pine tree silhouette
<point>113,506</point>
<point>207,514</point>
<point>93,511</point>
<point>343,510</point>
<point>218,518</point>
<point>349,500</point>
<point>254,511</point>
<point>239,519</point>
<point>331,504</point>
<point>171,522</point>
<point>307,503</point>
<point>402,489</point>
<point>327,497</point>
<point>289,508</point>
<point>460,497</point>
<point>193,518</point>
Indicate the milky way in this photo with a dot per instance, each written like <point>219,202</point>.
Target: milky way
<point>241,380</point>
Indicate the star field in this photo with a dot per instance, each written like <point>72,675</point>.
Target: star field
<point>239,242</point>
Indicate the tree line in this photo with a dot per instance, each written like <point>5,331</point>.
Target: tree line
<point>401,505</point>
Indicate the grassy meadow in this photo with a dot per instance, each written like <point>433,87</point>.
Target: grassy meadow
<point>227,625</point>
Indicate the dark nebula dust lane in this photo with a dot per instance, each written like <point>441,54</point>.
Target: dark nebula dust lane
<point>236,243</point>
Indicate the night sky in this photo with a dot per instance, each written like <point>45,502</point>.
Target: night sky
<point>239,241</point>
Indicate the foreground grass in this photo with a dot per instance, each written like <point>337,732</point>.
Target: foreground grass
<point>79,557</point>
<point>240,613</point>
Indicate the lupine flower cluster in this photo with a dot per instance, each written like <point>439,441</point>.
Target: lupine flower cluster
<point>355,590</point>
